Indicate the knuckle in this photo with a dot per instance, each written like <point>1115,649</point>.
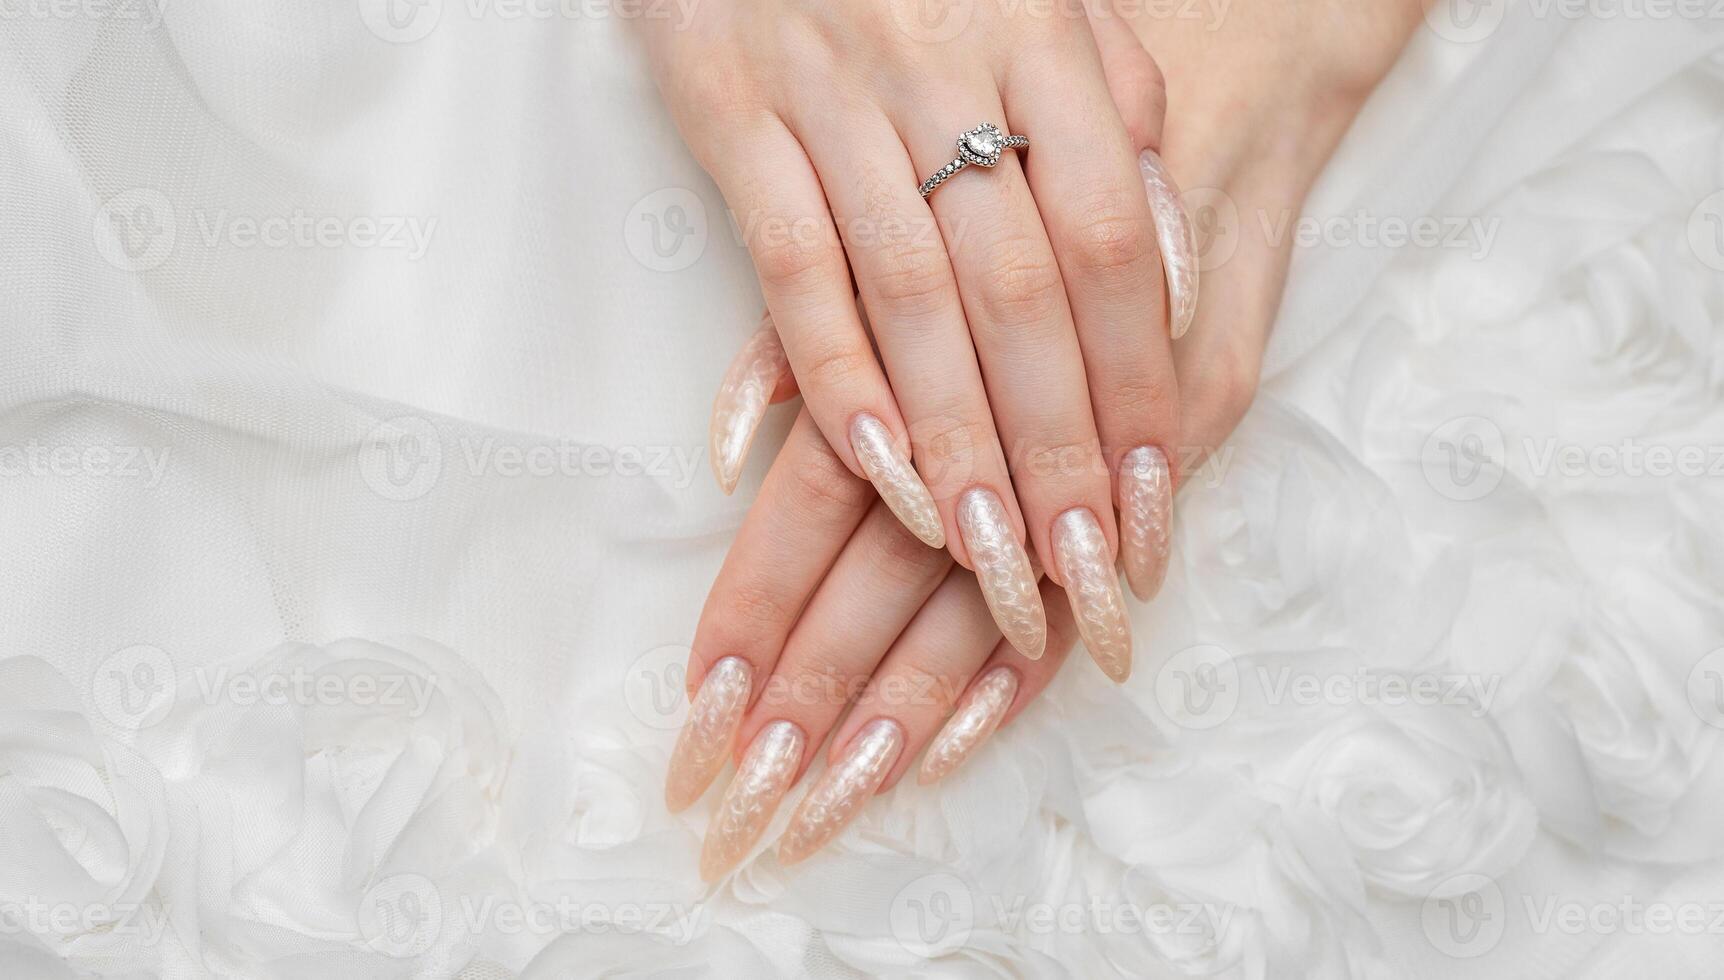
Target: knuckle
<point>912,280</point>
<point>834,364</point>
<point>1059,459</point>
<point>790,260</point>
<point>1139,398</point>
<point>949,443</point>
<point>823,488</point>
<point>748,609</point>
<point>905,558</point>
<point>1024,284</point>
<point>1111,238</point>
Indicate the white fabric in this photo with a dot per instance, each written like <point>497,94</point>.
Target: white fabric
<point>401,451</point>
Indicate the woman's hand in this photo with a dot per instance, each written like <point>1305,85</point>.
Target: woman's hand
<point>1020,313</point>
<point>823,605</point>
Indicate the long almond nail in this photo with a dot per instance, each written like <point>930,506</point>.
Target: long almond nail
<point>1080,548</point>
<point>741,403</point>
<point>983,709</point>
<point>889,469</point>
<point>1178,242</point>
<point>1145,517</point>
<point>705,740</point>
<point>752,797</point>
<point>842,790</point>
<point>1003,570</point>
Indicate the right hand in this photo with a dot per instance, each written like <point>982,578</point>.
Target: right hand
<point>1021,307</point>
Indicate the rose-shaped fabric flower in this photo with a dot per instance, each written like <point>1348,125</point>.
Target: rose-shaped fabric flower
<point>83,829</point>
<point>327,804</point>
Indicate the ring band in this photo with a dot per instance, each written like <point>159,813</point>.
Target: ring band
<point>980,147</point>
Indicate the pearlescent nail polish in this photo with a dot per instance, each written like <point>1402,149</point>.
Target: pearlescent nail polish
<point>1080,550</point>
<point>889,469</point>
<point>1145,519</point>
<point>741,403</point>
<point>752,797</point>
<point>842,791</point>
<point>1003,571</point>
<point>704,744</point>
<point>976,718</point>
<point>1178,241</point>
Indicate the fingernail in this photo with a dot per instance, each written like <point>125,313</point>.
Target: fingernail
<point>705,740</point>
<point>889,469</point>
<point>1178,242</point>
<point>752,797</point>
<point>1080,548</point>
<point>1003,570</point>
<point>742,400</point>
<point>1145,518</point>
<point>983,709</point>
<point>842,790</point>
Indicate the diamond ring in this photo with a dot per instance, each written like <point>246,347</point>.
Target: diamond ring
<point>981,147</point>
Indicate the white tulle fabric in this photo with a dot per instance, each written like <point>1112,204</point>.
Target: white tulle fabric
<point>350,489</point>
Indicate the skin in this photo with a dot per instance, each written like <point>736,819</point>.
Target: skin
<point>845,615</point>
<point>1019,313</point>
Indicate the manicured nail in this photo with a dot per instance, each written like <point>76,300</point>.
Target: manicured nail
<point>1145,518</point>
<point>1080,549</point>
<point>705,740</point>
<point>1003,570</point>
<point>752,797</point>
<point>983,709</point>
<point>842,790</point>
<point>1178,242</point>
<point>889,469</point>
<point>741,403</point>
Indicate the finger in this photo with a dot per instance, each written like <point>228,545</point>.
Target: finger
<point>1001,688</point>
<point>783,214</point>
<point>907,699</point>
<point>1134,80</point>
<point>873,590</point>
<point>905,279</point>
<point>1015,303</point>
<point>808,507</point>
